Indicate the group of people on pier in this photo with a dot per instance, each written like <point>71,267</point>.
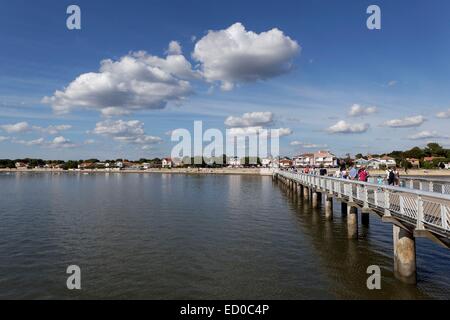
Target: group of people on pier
<point>392,175</point>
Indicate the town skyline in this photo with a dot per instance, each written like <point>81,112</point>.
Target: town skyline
<point>83,93</point>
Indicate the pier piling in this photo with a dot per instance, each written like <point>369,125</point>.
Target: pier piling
<point>407,210</point>
<point>315,199</point>
<point>352,222</point>
<point>365,217</point>
<point>328,207</point>
<point>306,193</point>
<point>344,208</point>
<point>404,255</point>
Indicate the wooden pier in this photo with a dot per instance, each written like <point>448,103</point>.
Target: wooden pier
<point>413,213</point>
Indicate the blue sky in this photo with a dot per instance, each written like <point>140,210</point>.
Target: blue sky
<point>305,78</point>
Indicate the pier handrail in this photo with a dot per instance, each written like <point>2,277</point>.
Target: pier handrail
<point>425,184</point>
<point>422,210</point>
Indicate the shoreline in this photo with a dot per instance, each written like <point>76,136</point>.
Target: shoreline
<point>192,171</point>
<point>223,171</point>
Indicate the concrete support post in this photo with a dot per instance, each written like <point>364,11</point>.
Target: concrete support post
<point>329,207</point>
<point>352,222</point>
<point>315,199</point>
<point>365,217</point>
<point>404,255</point>
<point>306,193</point>
<point>344,208</point>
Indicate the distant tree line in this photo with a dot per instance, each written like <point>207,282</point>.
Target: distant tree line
<point>440,154</point>
<point>195,162</point>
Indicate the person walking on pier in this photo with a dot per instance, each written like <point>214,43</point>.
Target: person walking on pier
<point>353,173</point>
<point>363,175</point>
<point>397,177</point>
<point>391,177</point>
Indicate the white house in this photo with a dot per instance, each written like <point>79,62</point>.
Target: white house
<point>177,162</point>
<point>234,161</point>
<point>266,162</point>
<point>304,160</point>
<point>21,165</point>
<point>374,164</point>
<point>286,163</point>
<point>317,159</point>
<point>167,163</point>
<point>146,165</point>
<point>325,158</point>
<point>119,164</point>
<point>361,163</point>
<point>388,162</point>
<point>274,164</point>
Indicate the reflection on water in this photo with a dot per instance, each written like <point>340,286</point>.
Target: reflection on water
<point>191,237</point>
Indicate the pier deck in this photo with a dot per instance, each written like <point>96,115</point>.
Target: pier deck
<point>413,213</point>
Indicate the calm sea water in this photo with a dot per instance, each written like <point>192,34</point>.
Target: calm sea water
<point>156,236</point>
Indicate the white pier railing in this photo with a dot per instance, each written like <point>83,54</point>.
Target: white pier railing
<point>431,184</point>
<point>424,210</point>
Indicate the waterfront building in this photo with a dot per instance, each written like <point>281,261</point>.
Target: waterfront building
<point>234,161</point>
<point>388,162</point>
<point>325,159</point>
<point>286,163</point>
<point>304,160</point>
<point>266,162</point>
<point>362,162</point>
<point>21,165</point>
<point>177,162</point>
<point>167,163</point>
<point>317,159</point>
<point>119,164</point>
<point>86,166</point>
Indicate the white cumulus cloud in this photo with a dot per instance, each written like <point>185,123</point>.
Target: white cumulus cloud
<point>427,135</point>
<point>52,130</point>
<point>258,130</point>
<point>296,143</point>
<point>16,128</point>
<point>407,122</point>
<point>308,145</point>
<point>125,131</point>
<point>358,110</point>
<point>443,114</point>
<point>58,142</point>
<point>22,127</point>
<point>136,81</point>
<point>36,142</point>
<point>61,142</point>
<point>235,55</point>
<point>344,127</point>
<point>250,119</point>
<point>174,48</point>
